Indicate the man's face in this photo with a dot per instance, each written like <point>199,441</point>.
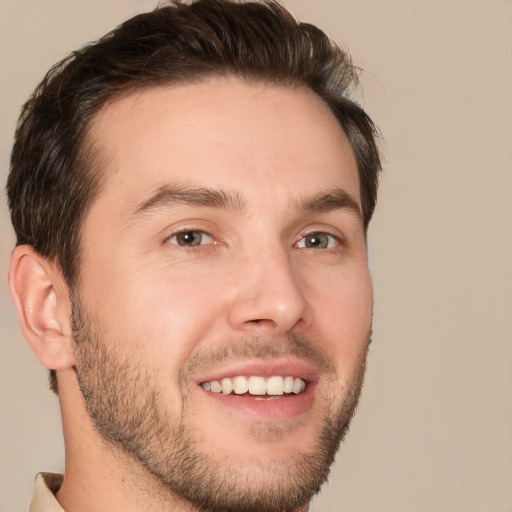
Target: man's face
<point>224,250</point>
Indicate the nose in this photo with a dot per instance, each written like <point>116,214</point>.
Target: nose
<point>270,296</point>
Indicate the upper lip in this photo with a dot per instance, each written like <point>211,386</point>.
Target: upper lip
<point>265,368</point>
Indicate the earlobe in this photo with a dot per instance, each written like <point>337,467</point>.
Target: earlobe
<point>42,302</point>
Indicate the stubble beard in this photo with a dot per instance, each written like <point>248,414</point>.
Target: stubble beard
<point>126,409</point>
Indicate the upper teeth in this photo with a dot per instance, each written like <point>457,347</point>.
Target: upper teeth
<point>256,385</point>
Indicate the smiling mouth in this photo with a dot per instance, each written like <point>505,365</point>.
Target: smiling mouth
<point>256,386</point>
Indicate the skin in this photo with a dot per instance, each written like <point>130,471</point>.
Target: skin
<point>180,312</point>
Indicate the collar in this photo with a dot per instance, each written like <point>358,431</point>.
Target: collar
<point>45,487</point>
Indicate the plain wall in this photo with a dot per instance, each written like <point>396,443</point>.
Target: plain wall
<point>433,432</point>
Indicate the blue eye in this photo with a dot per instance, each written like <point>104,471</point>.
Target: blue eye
<point>318,240</point>
<point>191,238</point>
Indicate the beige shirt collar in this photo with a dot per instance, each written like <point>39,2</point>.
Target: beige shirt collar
<point>45,487</point>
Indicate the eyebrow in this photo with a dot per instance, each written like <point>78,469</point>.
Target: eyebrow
<point>170,195</point>
<point>328,201</point>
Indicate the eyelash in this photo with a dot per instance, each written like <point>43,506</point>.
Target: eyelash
<point>312,234</point>
<point>333,240</point>
<point>185,232</point>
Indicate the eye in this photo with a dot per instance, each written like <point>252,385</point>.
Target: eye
<point>190,238</point>
<point>318,240</point>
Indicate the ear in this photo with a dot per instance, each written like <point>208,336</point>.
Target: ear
<point>42,302</point>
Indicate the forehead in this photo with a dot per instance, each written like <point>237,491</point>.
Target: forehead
<point>222,133</point>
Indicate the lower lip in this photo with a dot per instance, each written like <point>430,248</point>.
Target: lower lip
<point>271,409</point>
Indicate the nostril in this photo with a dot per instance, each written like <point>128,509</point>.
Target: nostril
<point>262,321</point>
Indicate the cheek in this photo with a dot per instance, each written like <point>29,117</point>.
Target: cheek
<point>343,317</point>
<point>159,312</point>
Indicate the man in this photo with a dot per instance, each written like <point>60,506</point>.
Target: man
<point>191,196</point>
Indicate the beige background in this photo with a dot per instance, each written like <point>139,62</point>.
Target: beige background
<point>434,429</point>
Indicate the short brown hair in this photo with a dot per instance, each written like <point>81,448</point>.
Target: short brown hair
<point>54,175</point>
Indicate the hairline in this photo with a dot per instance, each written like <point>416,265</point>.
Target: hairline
<point>96,158</point>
